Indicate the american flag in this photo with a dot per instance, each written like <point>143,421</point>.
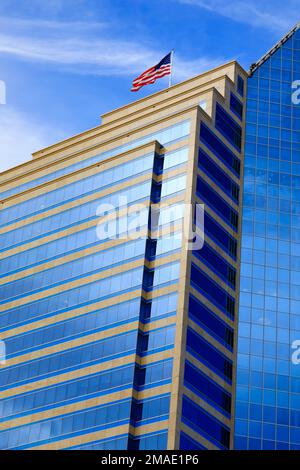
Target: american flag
<point>164,67</point>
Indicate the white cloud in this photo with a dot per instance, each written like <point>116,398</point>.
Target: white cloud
<point>105,56</point>
<point>81,49</point>
<point>42,25</point>
<point>184,69</point>
<point>270,14</point>
<point>19,137</point>
<point>52,7</point>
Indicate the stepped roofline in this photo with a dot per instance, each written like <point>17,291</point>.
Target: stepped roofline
<point>265,57</point>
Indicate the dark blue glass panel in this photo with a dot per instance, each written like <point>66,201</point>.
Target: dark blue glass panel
<point>198,382</point>
<point>209,355</point>
<point>236,106</point>
<point>187,443</point>
<point>228,127</point>
<point>204,423</point>
<point>212,291</point>
<point>220,236</point>
<point>222,179</point>
<point>219,149</point>
<point>217,264</point>
<point>240,85</point>
<point>211,322</point>
<point>217,203</point>
<point>155,441</point>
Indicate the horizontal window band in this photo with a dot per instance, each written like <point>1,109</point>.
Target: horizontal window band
<point>217,161</point>
<point>86,249</point>
<point>103,334</point>
<point>34,445</point>
<point>66,407</point>
<point>90,172</point>
<point>46,196</point>
<point>91,307</point>
<point>71,231</point>
<point>164,318</point>
<point>94,349</point>
<point>60,284</point>
<point>86,437</point>
<point>117,367</point>
<point>167,349</point>
<point>84,371</point>
<point>98,197</point>
<point>137,152</point>
<point>55,410</point>
<point>97,407</point>
<point>92,196</point>
<point>108,440</point>
<point>62,341</point>
<point>89,279</point>
<point>138,147</point>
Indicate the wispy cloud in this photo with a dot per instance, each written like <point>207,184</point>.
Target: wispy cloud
<point>20,136</point>
<point>188,68</point>
<point>270,14</point>
<point>53,7</point>
<point>77,47</point>
<point>84,47</point>
<point>41,26</point>
<point>107,57</point>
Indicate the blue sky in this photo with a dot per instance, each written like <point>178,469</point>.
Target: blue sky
<point>65,62</point>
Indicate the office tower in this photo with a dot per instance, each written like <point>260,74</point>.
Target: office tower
<point>268,377</point>
<point>125,342</point>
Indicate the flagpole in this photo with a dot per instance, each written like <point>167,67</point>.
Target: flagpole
<point>170,76</point>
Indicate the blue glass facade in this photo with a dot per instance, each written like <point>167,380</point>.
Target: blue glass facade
<point>268,382</point>
<point>81,315</point>
<point>91,327</point>
<point>91,324</point>
<point>212,303</point>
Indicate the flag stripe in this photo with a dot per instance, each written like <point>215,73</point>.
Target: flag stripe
<point>166,71</point>
<point>156,75</point>
<point>151,79</point>
<point>150,75</point>
<point>152,72</point>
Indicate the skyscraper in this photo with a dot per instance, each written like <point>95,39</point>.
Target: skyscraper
<point>126,342</point>
<point>268,379</point>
